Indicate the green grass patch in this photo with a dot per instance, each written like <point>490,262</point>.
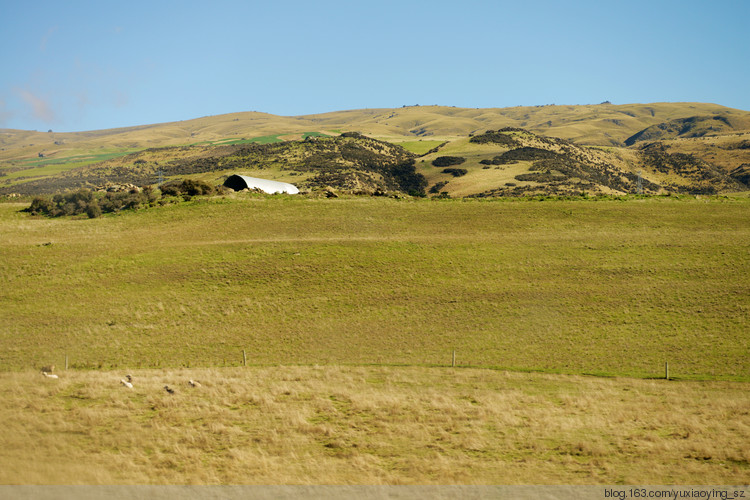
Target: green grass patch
<point>419,147</point>
<point>48,167</point>
<point>314,134</point>
<point>608,287</point>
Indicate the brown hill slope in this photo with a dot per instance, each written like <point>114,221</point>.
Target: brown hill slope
<point>703,149</point>
<point>532,164</point>
<point>604,124</point>
<point>694,126</point>
<point>496,163</point>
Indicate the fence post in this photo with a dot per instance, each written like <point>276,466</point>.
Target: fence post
<point>66,361</point>
<point>453,361</point>
<point>666,370</point>
<point>244,358</point>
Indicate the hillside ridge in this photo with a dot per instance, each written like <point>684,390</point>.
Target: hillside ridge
<point>596,149</point>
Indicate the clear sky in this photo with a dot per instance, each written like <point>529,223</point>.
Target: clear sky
<point>74,65</point>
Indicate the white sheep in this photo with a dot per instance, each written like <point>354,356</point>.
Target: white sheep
<point>194,383</point>
<point>50,375</point>
<point>126,383</point>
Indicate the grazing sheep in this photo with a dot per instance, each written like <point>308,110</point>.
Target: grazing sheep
<point>49,375</point>
<point>194,383</point>
<point>130,379</point>
<point>126,383</point>
<point>48,368</point>
<point>168,389</point>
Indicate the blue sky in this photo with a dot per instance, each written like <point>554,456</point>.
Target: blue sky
<point>73,66</point>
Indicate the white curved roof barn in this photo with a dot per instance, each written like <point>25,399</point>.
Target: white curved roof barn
<point>240,182</point>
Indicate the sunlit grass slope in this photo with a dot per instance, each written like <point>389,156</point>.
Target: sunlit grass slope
<point>603,124</point>
<point>369,425</point>
<point>607,287</point>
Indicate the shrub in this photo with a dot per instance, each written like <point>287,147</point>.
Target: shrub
<point>447,161</point>
<point>194,187</point>
<point>437,187</point>
<point>171,189</point>
<point>93,210</point>
<point>455,172</point>
<point>492,137</point>
<point>408,180</point>
<point>40,205</point>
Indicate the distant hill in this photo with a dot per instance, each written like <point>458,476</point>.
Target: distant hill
<point>591,148</point>
<point>694,126</point>
<point>602,124</point>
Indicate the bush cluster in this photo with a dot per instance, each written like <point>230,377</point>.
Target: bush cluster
<point>455,172</point>
<point>496,137</point>
<point>437,187</point>
<point>188,187</point>
<point>447,161</point>
<point>85,201</point>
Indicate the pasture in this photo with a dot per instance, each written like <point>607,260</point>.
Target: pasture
<point>600,287</point>
<point>349,311</point>
<point>370,425</point>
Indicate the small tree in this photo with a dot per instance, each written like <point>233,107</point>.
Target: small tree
<point>93,210</point>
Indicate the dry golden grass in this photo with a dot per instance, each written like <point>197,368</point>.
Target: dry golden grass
<point>588,124</point>
<point>370,425</point>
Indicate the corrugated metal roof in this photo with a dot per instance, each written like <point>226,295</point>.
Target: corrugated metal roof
<point>264,185</point>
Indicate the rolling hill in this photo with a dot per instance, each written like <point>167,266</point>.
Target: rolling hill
<point>596,149</point>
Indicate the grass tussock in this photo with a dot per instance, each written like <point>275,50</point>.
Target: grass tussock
<point>370,425</point>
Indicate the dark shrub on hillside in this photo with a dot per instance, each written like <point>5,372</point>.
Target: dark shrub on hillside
<point>527,154</point>
<point>93,210</point>
<point>193,187</point>
<point>455,172</point>
<point>189,187</point>
<point>540,177</point>
<point>437,187</point>
<point>79,202</point>
<point>492,137</point>
<point>171,189</point>
<point>128,200</point>
<point>351,134</point>
<point>92,204</point>
<point>447,161</point>
<point>408,180</point>
<point>40,205</point>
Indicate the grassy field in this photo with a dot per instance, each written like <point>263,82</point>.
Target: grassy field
<point>370,425</point>
<point>35,168</point>
<point>419,147</point>
<point>349,311</point>
<point>603,287</point>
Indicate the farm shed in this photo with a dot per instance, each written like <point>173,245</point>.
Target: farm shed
<point>240,182</point>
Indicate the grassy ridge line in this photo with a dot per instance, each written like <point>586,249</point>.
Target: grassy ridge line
<point>369,425</point>
<point>592,124</point>
<point>605,287</point>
